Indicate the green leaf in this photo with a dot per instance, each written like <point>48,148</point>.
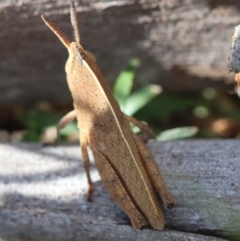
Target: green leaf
<point>177,133</point>
<point>165,105</point>
<point>140,98</point>
<point>31,136</point>
<point>124,82</point>
<point>36,121</point>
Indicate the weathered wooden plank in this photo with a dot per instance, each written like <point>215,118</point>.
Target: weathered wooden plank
<point>42,193</point>
<point>181,44</point>
<point>37,225</point>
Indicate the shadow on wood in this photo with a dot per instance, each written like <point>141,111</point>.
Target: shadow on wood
<point>42,193</point>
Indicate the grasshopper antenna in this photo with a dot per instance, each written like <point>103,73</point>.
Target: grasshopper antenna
<point>57,31</point>
<point>74,22</point>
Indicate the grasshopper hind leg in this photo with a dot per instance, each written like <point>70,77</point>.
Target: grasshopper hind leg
<point>155,175</point>
<point>115,187</point>
<point>149,134</point>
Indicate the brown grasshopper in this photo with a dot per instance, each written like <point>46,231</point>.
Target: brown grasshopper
<point>126,167</point>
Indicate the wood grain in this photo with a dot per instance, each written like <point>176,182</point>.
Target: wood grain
<point>181,45</point>
<point>42,193</point>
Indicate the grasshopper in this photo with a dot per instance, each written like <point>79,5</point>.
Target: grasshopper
<point>126,167</point>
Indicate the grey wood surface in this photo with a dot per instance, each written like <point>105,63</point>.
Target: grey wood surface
<point>181,44</point>
<point>43,194</point>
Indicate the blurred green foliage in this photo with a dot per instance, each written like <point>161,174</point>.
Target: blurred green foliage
<point>171,115</point>
<point>149,97</point>
<point>177,133</point>
<point>36,121</point>
<point>130,102</point>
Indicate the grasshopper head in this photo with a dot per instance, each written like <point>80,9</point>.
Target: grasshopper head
<point>76,54</point>
<point>74,48</point>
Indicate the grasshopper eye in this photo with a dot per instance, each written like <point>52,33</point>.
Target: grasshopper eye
<point>69,64</point>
